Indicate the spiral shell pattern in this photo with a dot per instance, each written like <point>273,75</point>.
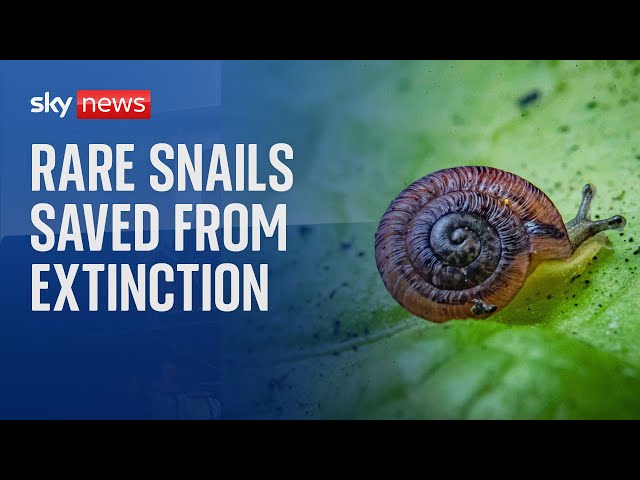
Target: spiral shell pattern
<point>460,242</point>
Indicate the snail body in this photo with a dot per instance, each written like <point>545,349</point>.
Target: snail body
<point>461,242</point>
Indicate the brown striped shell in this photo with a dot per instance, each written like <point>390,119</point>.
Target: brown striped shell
<point>460,242</point>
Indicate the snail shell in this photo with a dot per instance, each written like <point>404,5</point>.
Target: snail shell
<point>460,242</point>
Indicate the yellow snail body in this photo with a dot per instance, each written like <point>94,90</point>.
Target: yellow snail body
<point>461,242</point>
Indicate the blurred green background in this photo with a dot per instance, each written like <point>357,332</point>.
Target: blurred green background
<point>567,346</point>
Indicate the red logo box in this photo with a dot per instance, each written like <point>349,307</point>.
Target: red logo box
<point>113,104</point>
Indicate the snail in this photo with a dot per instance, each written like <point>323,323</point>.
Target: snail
<point>461,242</point>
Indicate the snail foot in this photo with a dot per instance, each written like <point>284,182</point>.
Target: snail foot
<point>481,308</point>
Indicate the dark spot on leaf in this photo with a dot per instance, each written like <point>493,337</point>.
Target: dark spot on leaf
<point>620,196</point>
<point>592,104</point>
<point>529,98</point>
<point>458,120</point>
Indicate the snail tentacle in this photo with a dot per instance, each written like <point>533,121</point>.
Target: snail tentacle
<point>582,227</point>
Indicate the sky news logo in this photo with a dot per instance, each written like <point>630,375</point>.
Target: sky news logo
<point>98,104</point>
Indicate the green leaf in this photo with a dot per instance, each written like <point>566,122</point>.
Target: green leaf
<point>567,345</point>
<point>486,370</point>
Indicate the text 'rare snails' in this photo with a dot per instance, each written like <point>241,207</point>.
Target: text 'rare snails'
<point>460,242</point>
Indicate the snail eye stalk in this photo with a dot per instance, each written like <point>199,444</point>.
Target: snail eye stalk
<point>582,227</point>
